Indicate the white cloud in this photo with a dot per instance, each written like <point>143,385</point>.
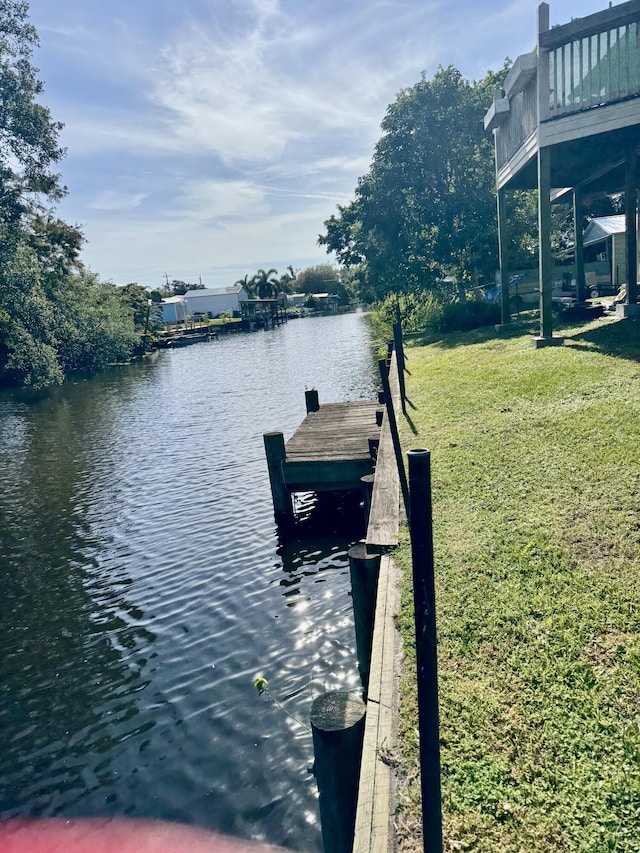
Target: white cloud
<point>210,200</point>
<point>112,200</point>
<point>204,137</point>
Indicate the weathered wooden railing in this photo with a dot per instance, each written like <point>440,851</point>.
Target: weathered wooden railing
<point>593,61</point>
<point>589,63</point>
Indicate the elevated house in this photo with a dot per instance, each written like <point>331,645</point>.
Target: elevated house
<point>568,124</point>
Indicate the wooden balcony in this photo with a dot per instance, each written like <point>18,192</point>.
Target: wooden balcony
<point>577,93</point>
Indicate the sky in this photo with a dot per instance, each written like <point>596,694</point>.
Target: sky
<point>209,138</point>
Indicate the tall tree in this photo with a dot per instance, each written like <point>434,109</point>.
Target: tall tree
<point>426,208</point>
<point>54,317</point>
<point>265,283</point>
<point>29,145</point>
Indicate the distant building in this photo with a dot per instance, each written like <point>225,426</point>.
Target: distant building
<point>174,310</point>
<point>604,239</point>
<point>296,300</point>
<point>214,301</point>
<point>327,301</point>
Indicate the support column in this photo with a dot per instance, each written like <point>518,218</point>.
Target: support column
<point>544,241</point>
<point>581,283</point>
<point>505,297</point>
<point>545,262</point>
<point>631,223</point>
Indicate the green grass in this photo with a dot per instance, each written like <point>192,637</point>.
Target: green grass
<point>536,490</point>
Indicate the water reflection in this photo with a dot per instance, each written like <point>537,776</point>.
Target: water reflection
<point>145,587</point>
<point>67,689</point>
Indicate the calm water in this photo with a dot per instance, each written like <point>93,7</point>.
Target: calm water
<point>144,587</point>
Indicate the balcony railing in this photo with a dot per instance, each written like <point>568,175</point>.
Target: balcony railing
<point>594,70</point>
<point>591,62</point>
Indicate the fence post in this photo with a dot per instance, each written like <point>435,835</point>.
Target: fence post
<point>395,437</point>
<point>397,338</point>
<point>421,527</point>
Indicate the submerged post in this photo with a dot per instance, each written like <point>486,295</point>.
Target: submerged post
<point>337,724</point>
<point>276,455</point>
<point>365,569</point>
<point>421,526</point>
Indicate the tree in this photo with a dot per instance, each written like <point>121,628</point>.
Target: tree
<point>265,283</point>
<point>287,281</point>
<point>28,136</point>
<point>426,208</point>
<point>247,283</point>
<point>36,249</point>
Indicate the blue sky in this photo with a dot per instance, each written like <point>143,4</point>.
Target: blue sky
<point>207,138</point>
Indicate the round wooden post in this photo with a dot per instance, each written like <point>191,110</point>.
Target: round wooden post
<point>276,455</point>
<point>367,491</point>
<point>337,724</point>
<point>311,400</point>
<point>364,568</point>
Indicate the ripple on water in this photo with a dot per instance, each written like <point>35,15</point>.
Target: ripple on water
<point>144,588</point>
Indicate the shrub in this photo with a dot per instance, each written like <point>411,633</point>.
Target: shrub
<point>463,316</point>
<point>419,312</point>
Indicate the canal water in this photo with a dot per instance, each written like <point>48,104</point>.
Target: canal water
<point>143,587</point>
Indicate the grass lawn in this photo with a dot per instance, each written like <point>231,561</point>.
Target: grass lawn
<point>536,495</point>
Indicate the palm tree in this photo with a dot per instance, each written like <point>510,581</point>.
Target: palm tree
<point>247,283</point>
<point>286,280</point>
<point>265,283</point>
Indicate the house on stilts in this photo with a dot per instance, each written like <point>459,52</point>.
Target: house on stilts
<point>568,124</point>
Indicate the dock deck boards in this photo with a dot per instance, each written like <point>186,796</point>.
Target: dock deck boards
<point>330,448</point>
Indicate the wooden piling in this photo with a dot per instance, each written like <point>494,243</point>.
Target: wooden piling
<point>421,528</point>
<point>311,400</point>
<point>276,454</point>
<point>337,724</point>
<point>364,568</point>
<point>367,491</point>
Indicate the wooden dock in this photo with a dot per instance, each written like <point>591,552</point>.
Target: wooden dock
<point>330,451</point>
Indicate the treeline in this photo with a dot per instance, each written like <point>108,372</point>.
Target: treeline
<point>322,278</point>
<point>56,318</point>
